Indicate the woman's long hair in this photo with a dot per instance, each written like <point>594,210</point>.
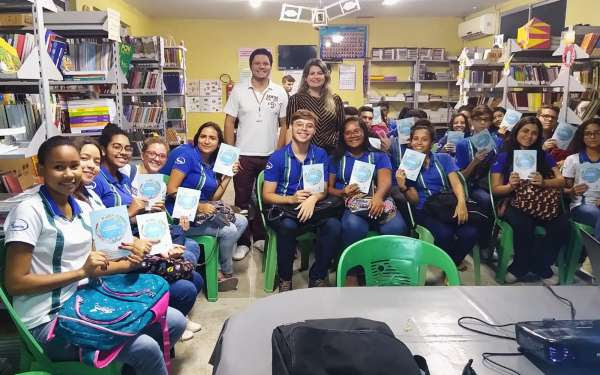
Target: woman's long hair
<point>577,144</point>
<point>210,124</point>
<point>511,144</point>
<point>467,130</point>
<point>326,93</point>
<point>342,148</point>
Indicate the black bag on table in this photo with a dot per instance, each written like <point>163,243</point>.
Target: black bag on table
<point>346,346</point>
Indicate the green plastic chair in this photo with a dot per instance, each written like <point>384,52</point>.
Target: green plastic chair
<point>576,244</point>
<point>33,357</point>
<point>394,261</point>
<point>210,244</point>
<point>566,257</point>
<point>269,265</point>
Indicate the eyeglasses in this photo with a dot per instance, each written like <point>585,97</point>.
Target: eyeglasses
<point>593,133</point>
<point>154,155</point>
<point>353,132</point>
<point>482,119</point>
<point>119,147</point>
<point>548,117</point>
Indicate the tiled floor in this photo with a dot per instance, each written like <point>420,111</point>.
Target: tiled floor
<point>192,356</point>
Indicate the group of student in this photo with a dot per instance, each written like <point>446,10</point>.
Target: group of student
<point>49,241</point>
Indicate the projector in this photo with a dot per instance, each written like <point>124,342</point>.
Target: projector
<point>571,343</point>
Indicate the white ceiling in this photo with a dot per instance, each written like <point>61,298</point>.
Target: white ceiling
<point>240,9</point>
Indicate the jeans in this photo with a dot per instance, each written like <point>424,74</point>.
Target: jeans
<point>244,182</point>
<point>482,197</point>
<point>183,293</point>
<point>588,214</point>
<point>326,248</point>
<point>192,251</point>
<point>456,240</point>
<point>143,352</point>
<point>355,228</point>
<point>227,236</point>
<point>532,257</point>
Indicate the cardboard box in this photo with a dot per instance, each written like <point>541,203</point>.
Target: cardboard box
<point>16,19</point>
<point>535,34</point>
<point>23,168</point>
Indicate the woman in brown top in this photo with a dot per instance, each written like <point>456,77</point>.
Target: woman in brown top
<point>315,95</point>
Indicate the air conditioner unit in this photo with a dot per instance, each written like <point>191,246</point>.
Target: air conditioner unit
<point>478,27</point>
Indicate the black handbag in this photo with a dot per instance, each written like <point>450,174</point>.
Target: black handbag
<point>331,206</point>
<point>349,346</point>
<point>442,207</point>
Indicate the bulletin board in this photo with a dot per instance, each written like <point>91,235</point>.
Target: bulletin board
<point>352,46</point>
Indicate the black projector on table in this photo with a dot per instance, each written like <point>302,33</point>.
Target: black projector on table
<point>570,343</point>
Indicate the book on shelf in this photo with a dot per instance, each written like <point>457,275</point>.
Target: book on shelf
<point>20,115</point>
<point>90,115</point>
<point>534,74</point>
<point>176,113</point>
<point>146,47</point>
<point>490,101</point>
<point>88,55</point>
<point>483,78</point>
<point>143,79</point>
<point>10,182</point>
<point>174,58</point>
<point>143,113</point>
<point>591,44</point>
<point>531,101</point>
<point>174,82</point>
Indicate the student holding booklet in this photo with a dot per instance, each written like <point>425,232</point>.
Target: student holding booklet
<point>438,175</point>
<point>49,252</point>
<point>582,174</point>
<point>191,166</point>
<point>286,184</point>
<point>531,203</point>
<point>459,125</point>
<point>183,293</point>
<point>362,176</point>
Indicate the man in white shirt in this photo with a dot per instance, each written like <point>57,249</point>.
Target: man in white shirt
<point>260,107</point>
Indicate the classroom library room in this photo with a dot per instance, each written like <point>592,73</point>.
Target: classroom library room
<point>299,187</point>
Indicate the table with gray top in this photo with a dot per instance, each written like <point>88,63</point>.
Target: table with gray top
<point>424,318</point>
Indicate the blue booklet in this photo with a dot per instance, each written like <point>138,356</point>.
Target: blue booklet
<point>111,228</point>
<point>563,135</point>
<point>525,163</point>
<point>186,203</point>
<point>453,136</point>
<point>510,119</point>
<point>411,163</point>
<point>313,178</point>
<point>483,141</point>
<point>590,175</point>
<point>155,227</point>
<point>404,127</point>
<point>226,157</point>
<point>151,187</point>
<point>362,174</point>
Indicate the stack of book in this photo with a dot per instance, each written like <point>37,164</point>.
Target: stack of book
<point>534,74</point>
<point>24,44</point>
<point>530,102</point>
<point>490,101</point>
<point>143,79</point>
<point>482,78</point>
<point>90,115</point>
<point>89,55</point>
<point>146,47</point>
<point>174,58</point>
<point>22,116</point>
<point>588,104</point>
<point>591,44</point>
<point>143,115</point>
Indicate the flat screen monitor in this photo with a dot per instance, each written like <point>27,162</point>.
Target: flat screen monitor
<point>295,57</point>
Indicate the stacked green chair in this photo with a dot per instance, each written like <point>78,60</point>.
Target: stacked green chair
<point>210,244</point>
<point>395,261</point>
<point>33,357</point>
<point>568,257</point>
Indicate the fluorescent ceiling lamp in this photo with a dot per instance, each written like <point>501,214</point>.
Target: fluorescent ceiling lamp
<point>390,2</point>
<point>255,3</point>
<point>296,13</point>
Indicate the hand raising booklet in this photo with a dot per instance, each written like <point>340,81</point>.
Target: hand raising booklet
<point>110,229</point>
<point>483,141</point>
<point>226,157</point>
<point>151,187</point>
<point>155,227</point>
<point>510,119</point>
<point>453,137</point>
<point>525,163</point>
<point>362,174</point>
<point>411,163</point>
<point>563,135</point>
<point>313,178</point>
<point>404,127</point>
<point>186,203</point>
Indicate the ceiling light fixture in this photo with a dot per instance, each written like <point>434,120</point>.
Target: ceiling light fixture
<point>255,3</point>
<point>390,2</point>
<point>318,16</point>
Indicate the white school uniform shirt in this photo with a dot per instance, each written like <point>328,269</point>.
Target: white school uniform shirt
<point>59,245</point>
<point>258,114</point>
<point>571,170</point>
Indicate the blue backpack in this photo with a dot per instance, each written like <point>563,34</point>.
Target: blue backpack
<point>104,315</point>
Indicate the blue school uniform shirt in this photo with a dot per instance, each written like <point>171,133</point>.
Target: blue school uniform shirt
<point>396,153</point>
<point>465,152</point>
<point>114,191</point>
<point>342,169</point>
<point>502,158</point>
<point>433,179</point>
<point>198,174</point>
<point>286,170</point>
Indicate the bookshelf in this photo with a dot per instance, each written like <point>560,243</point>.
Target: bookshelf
<point>423,78</point>
<point>175,68</point>
<point>89,36</point>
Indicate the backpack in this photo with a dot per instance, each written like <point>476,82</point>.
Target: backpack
<point>102,316</point>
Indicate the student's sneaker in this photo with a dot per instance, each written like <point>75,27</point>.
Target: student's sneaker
<point>193,326</point>
<point>510,278</point>
<point>187,335</point>
<point>285,286</point>
<point>318,283</point>
<point>552,280</point>
<point>259,245</point>
<point>240,252</point>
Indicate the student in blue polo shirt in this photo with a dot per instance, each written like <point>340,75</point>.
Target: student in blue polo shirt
<point>438,174</point>
<point>530,257</point>
<point>49,252</point>
<point>191,166</point>
<point>585,199</point>
<point>355,146</point>
<point>475,165</point>
<point>284,186</point>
